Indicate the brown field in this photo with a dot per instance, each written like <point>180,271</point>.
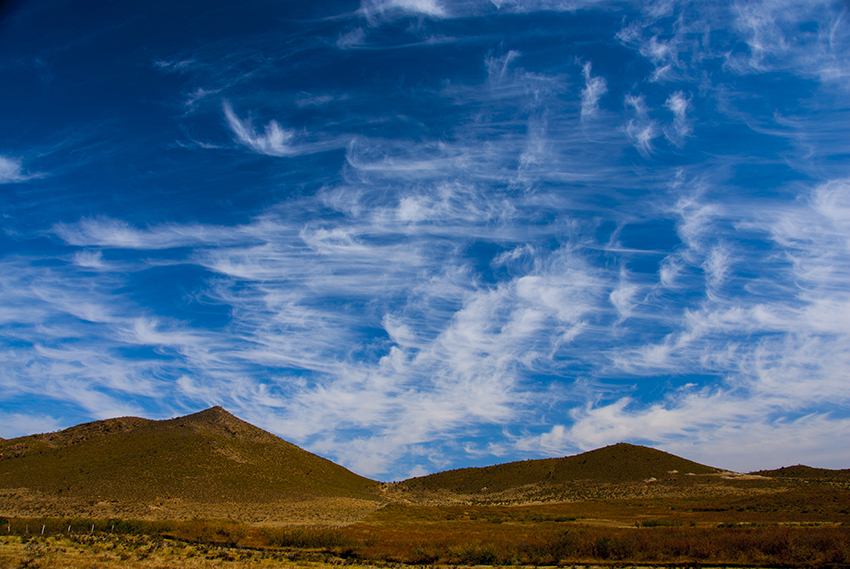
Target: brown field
<point>145,552</point>
<point>111,551</point>
<point>801,527</point>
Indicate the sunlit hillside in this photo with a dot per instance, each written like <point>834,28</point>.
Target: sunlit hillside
<point>210,464</point>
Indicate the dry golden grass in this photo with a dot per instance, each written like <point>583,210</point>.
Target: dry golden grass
<point>143,552</point>
<point>808,526</point>
<point>654,532</point>
<point>467,544</point>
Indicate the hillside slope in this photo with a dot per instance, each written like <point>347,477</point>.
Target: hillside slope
<point>613,464</point>
<point>185,466</point>
<point>213,465</point>
<point>801,471</point>
<point>619,470</point>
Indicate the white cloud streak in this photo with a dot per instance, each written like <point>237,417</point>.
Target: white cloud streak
<point>456,352</point>
<point>796,365</point>
<point>115,234</point>
<point>772,31</point>
<point>364,321</point>
<point>12,171</point>
<point>22,424</point>
<point>274,140</point>
<point>641,129</point>
<point>594,89</point>
<point>678,105</point>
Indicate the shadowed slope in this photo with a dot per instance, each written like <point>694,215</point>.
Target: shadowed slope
<point>620,463</point>
<point>210,457</point>
<point>806,472</point>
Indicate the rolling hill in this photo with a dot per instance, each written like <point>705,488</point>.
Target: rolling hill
<point>622,462</point>
<point>207,464</point>
<point>801,471</point>
<point>629,468</point>
<point>214,465</point>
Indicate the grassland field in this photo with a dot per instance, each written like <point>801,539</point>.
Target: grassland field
<point>803,528</point>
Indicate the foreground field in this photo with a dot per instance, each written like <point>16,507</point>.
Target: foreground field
<point>797,548</point>
<point>146,552</point>
<point>803,528</point>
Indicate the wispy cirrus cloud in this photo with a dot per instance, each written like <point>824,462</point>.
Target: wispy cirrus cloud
<point>774,383</point>
<point>498,260</point>
<point>374,10</point>
<point>22,424</point>
<point>274,140</point>
<point>678,104</point>
<point>452,352</point>
<point>709,428</point>
<point>641,129</point>
<point>437,9</point>
<point>174,65</point>
<point>594,89</point>
<point>12,171</point>
<point>804,38</point>
<point>808,38</point>
<point>354,38</point>
<point>115,234</point>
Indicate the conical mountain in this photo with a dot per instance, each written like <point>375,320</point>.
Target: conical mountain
<point>138,465</point>
<point>619,463</point>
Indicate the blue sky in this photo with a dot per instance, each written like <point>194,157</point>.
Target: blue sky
<point>412,235</point>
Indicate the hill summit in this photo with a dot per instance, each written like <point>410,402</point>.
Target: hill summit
<point>199,465</point>
<point>566,478</point>
<point>801,471</point>
<point>212,464</point>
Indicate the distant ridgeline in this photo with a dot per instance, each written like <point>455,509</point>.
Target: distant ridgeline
<point>214,465</point>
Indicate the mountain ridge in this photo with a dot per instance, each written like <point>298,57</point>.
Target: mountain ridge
<point>217,420</point>
<point>213,464</point>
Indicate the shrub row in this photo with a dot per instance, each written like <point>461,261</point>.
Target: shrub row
<point>499,545</point>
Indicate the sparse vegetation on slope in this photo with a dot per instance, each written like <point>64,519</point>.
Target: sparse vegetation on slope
<point>174,468</point>
<point>802,471</point>
<point>617,463</point>
<point>627,466</point>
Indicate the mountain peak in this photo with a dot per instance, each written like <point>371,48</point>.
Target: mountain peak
<point>216,412</point>
<point>217,420</point>
<point>188,466</point>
